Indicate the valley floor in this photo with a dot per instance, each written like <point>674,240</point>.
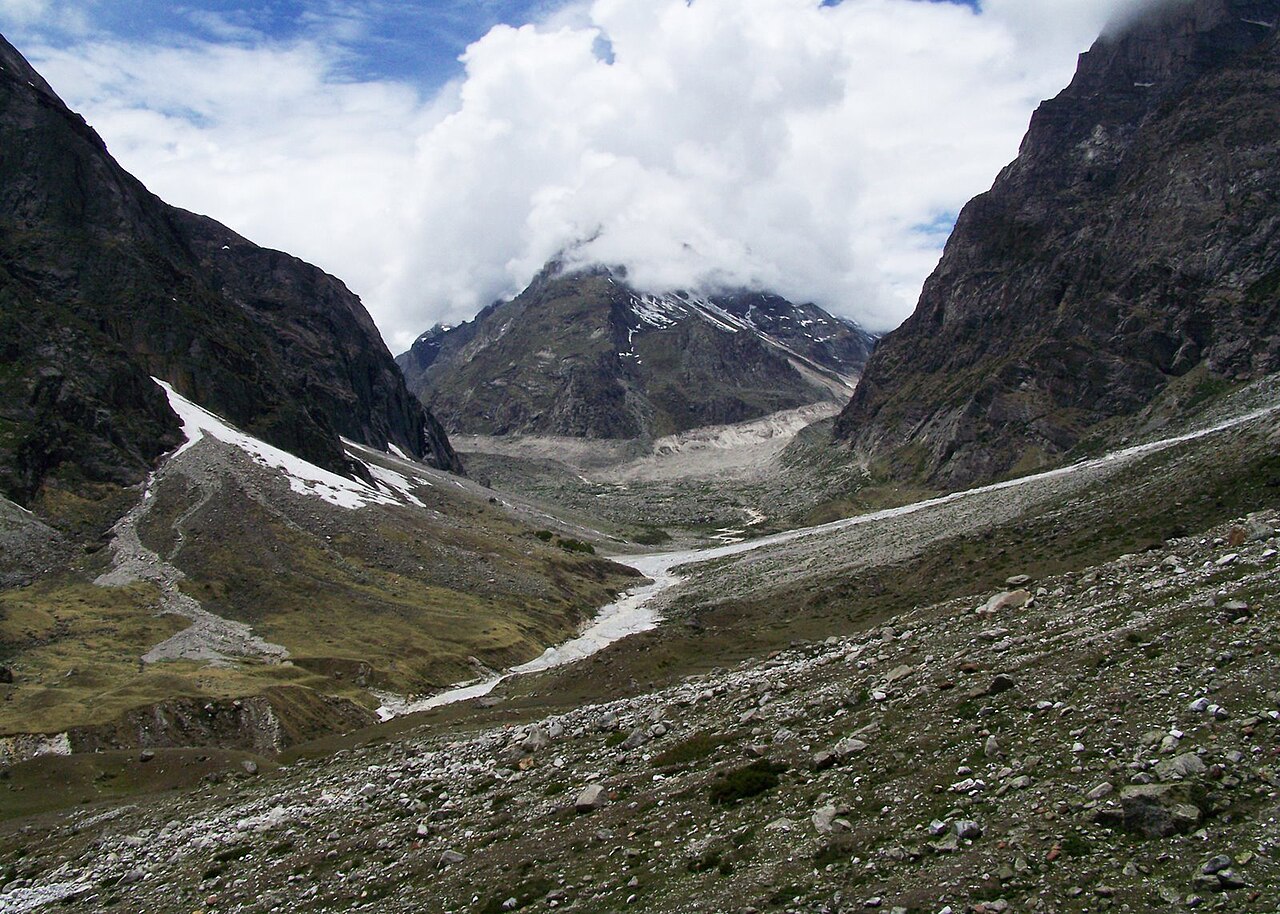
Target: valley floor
<point>1058,696</point>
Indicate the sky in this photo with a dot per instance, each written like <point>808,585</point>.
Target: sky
<point>434,155</point>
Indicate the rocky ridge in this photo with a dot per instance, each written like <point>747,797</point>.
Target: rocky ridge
<point>1129,253</point>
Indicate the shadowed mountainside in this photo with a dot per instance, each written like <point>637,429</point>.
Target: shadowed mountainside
<point>103,285</point>
<point>1132,249</point>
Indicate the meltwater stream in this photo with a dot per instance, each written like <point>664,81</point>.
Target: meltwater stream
<point>633,612</point>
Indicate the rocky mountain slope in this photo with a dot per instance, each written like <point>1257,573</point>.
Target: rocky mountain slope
<point>224,520</point>
<point>103,286</point>
<point>251,600</point>
<point>585,355</point>
<point>1131,251</point>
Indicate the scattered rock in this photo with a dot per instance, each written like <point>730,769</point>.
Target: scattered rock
<point>1182,766</point>
<point>1001,683</point>
<point>898,673</point>
<point>1013,599</point>
<point>849,747</point>
<point>1258,530</point>
<point>1215,865</point>
<point>1236,611</point>
<point>593,797</point>
<point>608,722</point>
<point>1102,790</point>
<point>1152,810</point>
<point>635,739</point>
<point>537,739</point>
<point>824,818</point>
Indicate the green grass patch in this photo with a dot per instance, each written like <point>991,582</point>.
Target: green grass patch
<point>525,894</point>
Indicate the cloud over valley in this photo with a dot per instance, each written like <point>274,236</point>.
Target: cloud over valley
<point>818,150</point>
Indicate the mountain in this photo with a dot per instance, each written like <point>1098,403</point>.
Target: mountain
<point>1131,251</point>
<point>584,354</point>
<point>224,520</point>
<point>103,286</point>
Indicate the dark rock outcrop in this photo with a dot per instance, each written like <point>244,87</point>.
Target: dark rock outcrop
<point>266,724</point>
<point>585,355</point>
<point>1135,239</point>
<point>103,285</point>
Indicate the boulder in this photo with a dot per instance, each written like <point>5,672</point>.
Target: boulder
<point>593,797</point>
<point>1011,599</point>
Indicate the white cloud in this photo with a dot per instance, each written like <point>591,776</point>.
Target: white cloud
<point>781,143</point>
<point>62,15</point>
<point>24,11</point>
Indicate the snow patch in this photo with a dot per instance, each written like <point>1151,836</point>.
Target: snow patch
<point>304,477</point>
<point>401,483</point>
<point>659,313</point>
<point>629,615</point>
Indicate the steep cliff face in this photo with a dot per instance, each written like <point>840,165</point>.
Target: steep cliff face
<point>1135,239</point>
<point>103,285</point>
<point>585,355</point>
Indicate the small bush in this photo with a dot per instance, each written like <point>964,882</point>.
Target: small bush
<point>712,860</point>
<point>1074,845</point>
<point>695,748</point>
<point>743,783</point>
<point>652,536</point>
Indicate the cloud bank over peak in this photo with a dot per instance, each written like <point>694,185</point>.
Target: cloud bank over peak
<point>818,150</point>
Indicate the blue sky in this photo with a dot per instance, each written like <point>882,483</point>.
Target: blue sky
<point>820,150</point>
<point>418,42</point>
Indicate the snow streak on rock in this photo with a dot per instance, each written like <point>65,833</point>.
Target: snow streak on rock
<point>304,478</point>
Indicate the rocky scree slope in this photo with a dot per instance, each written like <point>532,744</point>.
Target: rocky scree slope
<point>1103,739</point>
<point>102,285</point>
<point>1132,249</point>
<point>585,355</point>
